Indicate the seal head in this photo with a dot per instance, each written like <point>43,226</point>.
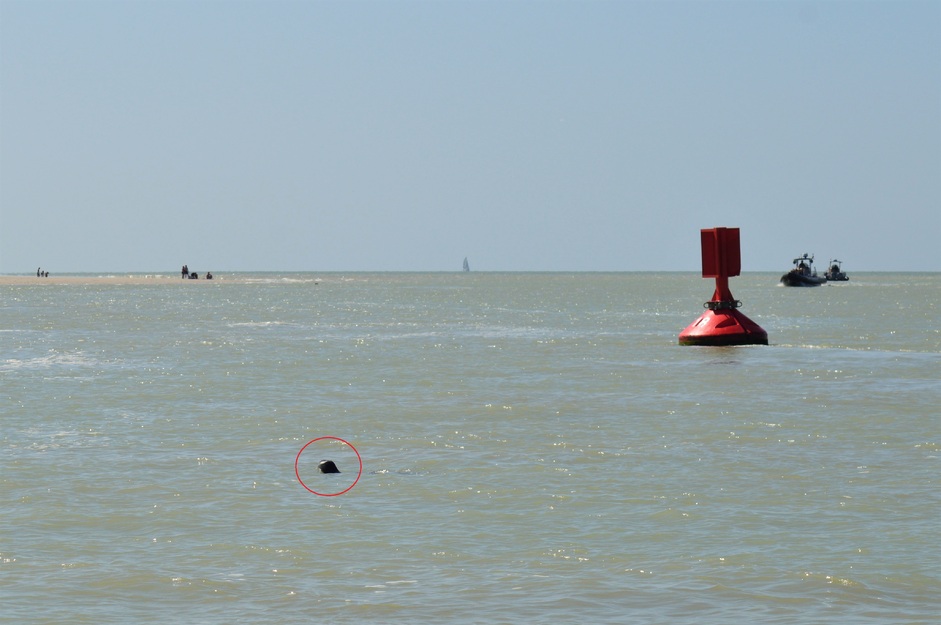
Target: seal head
<point>328,466</point>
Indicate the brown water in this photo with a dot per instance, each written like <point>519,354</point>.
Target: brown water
<point>536,448</point>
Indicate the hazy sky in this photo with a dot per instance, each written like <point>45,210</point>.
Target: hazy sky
<point>399,135</point>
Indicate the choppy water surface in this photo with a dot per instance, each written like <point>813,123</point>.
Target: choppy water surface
<point>536,448</point>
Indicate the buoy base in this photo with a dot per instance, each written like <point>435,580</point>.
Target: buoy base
<point>725,326</point>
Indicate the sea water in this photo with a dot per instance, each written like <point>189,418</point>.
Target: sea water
<point>514,448</point>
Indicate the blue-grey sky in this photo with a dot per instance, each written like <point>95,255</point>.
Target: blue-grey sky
<point>527,136</point>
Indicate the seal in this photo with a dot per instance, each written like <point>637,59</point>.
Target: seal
<point>328,466</point>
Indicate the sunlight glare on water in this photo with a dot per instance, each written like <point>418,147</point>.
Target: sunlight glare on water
<point>536,448</point>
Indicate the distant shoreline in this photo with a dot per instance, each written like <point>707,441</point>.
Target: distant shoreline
<point>90,279</point>
<point>248,277</point>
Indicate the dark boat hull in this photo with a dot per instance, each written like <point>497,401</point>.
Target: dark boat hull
<point>796,278</point>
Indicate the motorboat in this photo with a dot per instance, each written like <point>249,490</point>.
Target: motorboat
<point>803,273</point>
<point>835,271</point>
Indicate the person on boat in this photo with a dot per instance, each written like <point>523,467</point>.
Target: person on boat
<point>802,268</point>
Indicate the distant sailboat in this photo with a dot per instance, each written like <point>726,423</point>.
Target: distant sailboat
<point>466,265</point>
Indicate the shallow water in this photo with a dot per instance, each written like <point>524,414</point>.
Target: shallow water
<point>535,448</point>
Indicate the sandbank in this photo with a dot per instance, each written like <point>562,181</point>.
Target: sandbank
<point>103,279</point>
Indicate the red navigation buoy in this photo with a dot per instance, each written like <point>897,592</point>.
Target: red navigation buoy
<point>722,323</point>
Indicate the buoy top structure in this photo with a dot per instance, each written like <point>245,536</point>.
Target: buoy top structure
<point>722,324</point>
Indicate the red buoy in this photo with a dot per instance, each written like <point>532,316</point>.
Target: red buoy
<point>722,323</point>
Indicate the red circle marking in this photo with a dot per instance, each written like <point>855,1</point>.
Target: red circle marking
<point>334,438</point>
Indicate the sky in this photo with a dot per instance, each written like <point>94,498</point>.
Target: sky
<point>524,135</point>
